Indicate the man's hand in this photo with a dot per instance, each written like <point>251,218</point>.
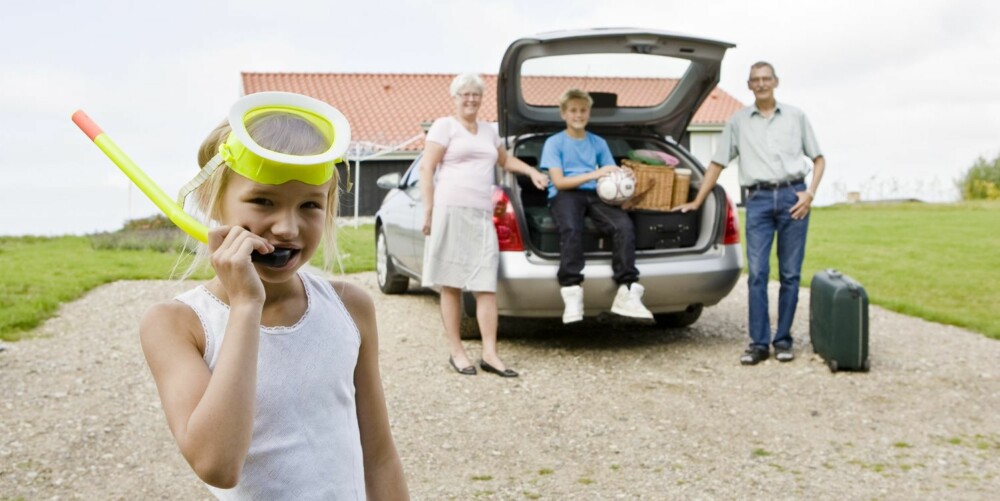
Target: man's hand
<point>688,207</point>
<point>801,208</point>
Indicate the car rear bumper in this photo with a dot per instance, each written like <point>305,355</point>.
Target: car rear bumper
<point>527,285</point>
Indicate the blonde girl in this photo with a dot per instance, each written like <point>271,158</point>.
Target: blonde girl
<point>268,374</point>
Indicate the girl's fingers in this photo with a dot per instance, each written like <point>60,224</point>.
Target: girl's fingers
<point>216,236</point>
<point>236,244</point>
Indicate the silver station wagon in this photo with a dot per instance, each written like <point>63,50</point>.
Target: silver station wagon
<point>686,261</point>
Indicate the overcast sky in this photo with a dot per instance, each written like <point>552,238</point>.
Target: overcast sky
<point>903,96</point>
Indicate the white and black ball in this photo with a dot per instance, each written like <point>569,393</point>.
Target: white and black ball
<point>616,188</point>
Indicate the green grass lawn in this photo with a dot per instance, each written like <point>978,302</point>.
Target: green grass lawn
<point>356,248</point>
<point>41,273</point>
<point>934,261</point>
<point>939,262</point>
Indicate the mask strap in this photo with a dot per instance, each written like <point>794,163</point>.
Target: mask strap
<point>199,179</point>
<point>347,183</point>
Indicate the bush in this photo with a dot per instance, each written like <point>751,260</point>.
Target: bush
<point>156,222</point>
<point>982,180</point>
<point>151,233</point>
<point>161,240</point>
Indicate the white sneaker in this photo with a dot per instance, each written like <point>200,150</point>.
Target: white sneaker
<point>573,297</point>
<point>628,302</point>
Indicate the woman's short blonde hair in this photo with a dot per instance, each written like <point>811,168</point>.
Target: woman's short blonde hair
<point>278,132</point>
<point>574,94</point>
<point>466,80</point>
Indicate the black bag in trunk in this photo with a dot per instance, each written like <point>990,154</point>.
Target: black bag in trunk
<point>544,233</point>
<point>665,230</point>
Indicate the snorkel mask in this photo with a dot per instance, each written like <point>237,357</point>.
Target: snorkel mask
<point>245,157</point>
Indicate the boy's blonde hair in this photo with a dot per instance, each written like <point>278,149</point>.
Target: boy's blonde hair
<point>574,94</point>
<point>279,132</point>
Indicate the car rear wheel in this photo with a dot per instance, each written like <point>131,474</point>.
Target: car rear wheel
<point>680,318</point>
<point>389,280</point>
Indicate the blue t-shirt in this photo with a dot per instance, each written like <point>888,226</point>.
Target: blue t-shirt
<point>575,157</point>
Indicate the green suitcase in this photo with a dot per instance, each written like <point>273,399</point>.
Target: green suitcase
<point>838,321</point>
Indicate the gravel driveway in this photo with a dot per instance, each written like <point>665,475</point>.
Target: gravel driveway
<point>602,411</point>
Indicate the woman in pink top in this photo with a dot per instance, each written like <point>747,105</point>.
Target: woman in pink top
<point>461,249</point>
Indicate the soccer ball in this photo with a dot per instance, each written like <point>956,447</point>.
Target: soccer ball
<point>616,188</point>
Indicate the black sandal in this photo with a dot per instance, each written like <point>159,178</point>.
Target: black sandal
<point>468,370</point>
<point>502,373</point>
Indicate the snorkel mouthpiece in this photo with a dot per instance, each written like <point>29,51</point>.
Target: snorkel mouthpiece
<point>277,259</point>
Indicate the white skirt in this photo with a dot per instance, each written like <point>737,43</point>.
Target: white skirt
<point>462,250</point>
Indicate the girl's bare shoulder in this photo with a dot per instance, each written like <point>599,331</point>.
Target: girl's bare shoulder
<point>170,322</point>
<point>358,303</point>
<point>354,296</point>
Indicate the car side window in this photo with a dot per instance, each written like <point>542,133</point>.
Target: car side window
<point>412,176</point>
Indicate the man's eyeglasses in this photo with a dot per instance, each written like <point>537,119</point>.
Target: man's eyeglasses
<point>471,95</point>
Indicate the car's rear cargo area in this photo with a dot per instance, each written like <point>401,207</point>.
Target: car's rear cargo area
<point>658,229</point>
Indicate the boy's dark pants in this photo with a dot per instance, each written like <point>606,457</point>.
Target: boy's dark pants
<point>568,210</point>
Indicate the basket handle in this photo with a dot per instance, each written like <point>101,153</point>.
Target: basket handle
<point>639,195</point>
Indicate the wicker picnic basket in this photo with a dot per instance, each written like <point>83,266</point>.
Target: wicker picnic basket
<point>654,186</point>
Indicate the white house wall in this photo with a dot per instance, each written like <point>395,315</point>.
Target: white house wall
<point>703,145</point>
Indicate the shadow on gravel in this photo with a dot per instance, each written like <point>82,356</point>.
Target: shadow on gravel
<point>590,334</point>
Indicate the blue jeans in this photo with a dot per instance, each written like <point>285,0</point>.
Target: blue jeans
<point>568,210</point>
<point>767,213</point>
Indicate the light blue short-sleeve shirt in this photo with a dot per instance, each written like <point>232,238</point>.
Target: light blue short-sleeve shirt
<point>575,157</point>
<point>769,149</point>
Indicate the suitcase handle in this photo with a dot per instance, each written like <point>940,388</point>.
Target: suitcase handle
<point>852,287</point>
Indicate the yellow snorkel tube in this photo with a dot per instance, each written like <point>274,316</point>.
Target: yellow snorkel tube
<point>242,154</point>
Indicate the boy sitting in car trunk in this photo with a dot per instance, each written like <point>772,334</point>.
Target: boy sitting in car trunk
<point>575,159</point>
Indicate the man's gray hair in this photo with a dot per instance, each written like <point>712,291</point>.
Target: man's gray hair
<point>764,64</point>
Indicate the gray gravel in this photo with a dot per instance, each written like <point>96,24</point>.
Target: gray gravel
<point>602,411</point>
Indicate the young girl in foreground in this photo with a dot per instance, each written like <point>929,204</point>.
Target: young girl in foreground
<point>268,375</point>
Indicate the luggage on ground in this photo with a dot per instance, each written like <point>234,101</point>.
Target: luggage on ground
<point>838,320</point>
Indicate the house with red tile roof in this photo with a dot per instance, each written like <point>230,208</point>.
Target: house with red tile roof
<point>390,112</point>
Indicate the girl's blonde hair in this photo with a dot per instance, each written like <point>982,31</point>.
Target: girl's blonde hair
<point>279,132</point>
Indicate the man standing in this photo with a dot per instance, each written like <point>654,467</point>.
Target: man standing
<point>772,141</point>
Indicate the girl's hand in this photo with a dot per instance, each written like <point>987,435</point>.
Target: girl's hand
<point>428,215</point>
<point>231,247</point>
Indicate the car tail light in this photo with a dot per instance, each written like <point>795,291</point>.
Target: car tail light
<point>732,235</point>
<point>508,234</point>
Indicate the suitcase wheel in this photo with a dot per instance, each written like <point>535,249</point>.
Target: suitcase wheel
<point>833,365</point>
<point>867,366</point>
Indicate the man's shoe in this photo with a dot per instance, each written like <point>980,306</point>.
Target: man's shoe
<point>573,297</point>
<point>628,302</point>
<point>784,354</point>
<point>753,356</point>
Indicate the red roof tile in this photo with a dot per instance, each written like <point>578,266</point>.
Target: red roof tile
<point>388,108</point>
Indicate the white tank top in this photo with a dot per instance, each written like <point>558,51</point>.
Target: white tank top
<point>306,443</point>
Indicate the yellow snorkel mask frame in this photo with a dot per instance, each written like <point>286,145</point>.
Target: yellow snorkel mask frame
<point>247,158</point>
